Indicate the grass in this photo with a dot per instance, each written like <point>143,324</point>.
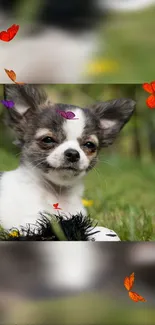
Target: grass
<point>129,39</point>
<point>87,310</point>
<point>123,194</point>
<point>124,197</point>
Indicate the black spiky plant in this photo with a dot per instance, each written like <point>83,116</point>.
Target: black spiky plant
<point>53,228</point>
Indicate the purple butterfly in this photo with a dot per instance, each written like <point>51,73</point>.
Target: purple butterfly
<point>68,115</point>
<point>8,103</point>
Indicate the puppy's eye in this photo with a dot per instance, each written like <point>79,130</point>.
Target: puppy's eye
<point>90,145</point>
<point>48,140</point>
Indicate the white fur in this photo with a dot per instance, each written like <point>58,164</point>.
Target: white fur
<point>56,158</point>
<point>41,132</point>
<point>74,128</point>
<point>63,177</point>
<point>21,109</point>
<point>23,197</point>
<point>94,138</point>
<point>107,124</point>
<point>55,56</point>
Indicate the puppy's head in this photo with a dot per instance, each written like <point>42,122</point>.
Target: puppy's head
<point>63,150</point>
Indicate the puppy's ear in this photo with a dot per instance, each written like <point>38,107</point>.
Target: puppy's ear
<point>113,115</point>
<point>25,97</point>
<point>27,100</point>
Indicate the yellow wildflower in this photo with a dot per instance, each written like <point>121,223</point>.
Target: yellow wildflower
<point>101,66</point>
<point>87,203</point>
<point>14,233</point>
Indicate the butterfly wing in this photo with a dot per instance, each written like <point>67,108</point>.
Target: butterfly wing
<point>55,205</point>
<point>8,35</point>
<point>11,74</point>
<point>12,31</point>
<point>150,101</point>
<point>4,36</point>
<point>7,103</point>
<point>129,281</point>
<point>13,28</point>
<point>70,115</point>
<point>136,297</point>
<point>10,103</point>
<point>147,87</point>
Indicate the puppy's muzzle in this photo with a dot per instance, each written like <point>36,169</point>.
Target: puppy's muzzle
<point>72,155</point>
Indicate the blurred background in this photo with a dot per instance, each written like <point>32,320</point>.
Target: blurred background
<point>48,283</point>
<point>76,41</point>
<point>96,41</point>
<point>122,183</point>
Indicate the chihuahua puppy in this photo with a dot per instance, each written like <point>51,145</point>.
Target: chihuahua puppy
<point>56,153</point>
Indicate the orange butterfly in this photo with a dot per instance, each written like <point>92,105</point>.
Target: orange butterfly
<point>128,283</point>
<point>12,75</point>
<point>135,296</point>
<point>150,88</point>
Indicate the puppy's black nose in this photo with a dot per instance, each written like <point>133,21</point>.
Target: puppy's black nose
<point>72,155</point>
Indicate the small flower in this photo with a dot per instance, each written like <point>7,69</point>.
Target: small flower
<point>87,203</point>
<point>101,66</point>
<point>14,233</point>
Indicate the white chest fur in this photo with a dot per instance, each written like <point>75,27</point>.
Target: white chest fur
<point>22,198</point>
